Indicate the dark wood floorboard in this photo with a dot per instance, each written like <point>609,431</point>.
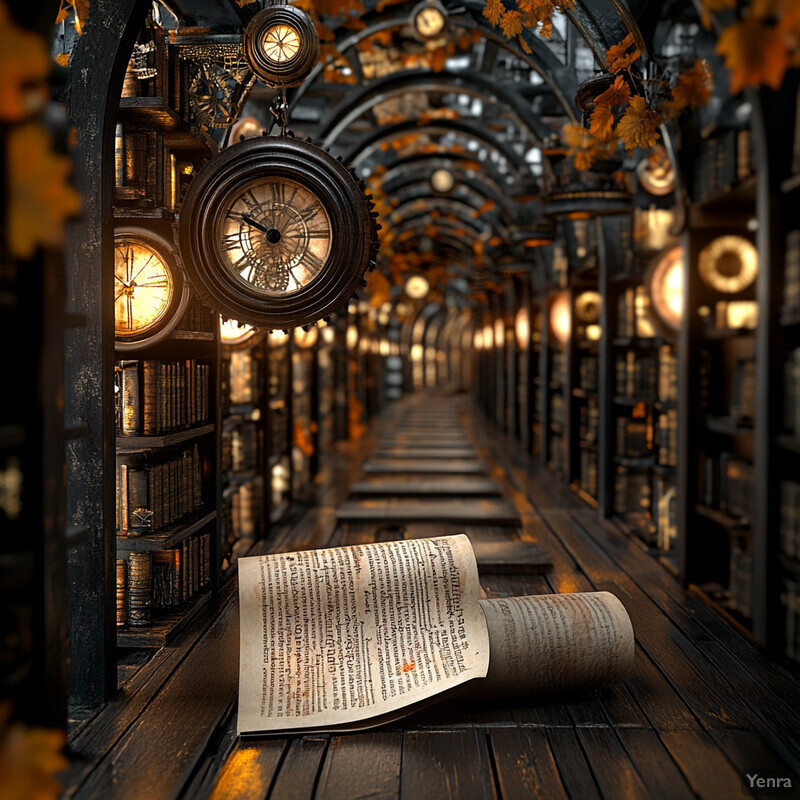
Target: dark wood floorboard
<point>702,706</point>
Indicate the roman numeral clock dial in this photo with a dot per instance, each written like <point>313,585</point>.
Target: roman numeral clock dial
<point>276,233</point>
<point>149,294</point>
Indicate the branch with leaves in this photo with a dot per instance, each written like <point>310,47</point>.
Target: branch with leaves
<point>763,42</point>
<point>534,14</point>
<point>624,116</point>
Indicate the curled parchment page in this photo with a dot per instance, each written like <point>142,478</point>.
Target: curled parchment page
<point>334,637</point>
<point>555,642</point>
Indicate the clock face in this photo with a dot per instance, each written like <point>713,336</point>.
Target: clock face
<point>729,264</point>
<point>429,22</point>
<point>149,293</point>
<point>281,43</point>
<point>275,236</point>
<point>665,285</point>
<point>276,233</point>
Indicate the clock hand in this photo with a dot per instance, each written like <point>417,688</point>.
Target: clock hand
<point>253,223</point>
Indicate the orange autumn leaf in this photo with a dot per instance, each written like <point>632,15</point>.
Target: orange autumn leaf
<point>574,135</point>
<point>524,45</point>
<point>493,10</point>
<point>438,59</point>
<point>602,123</point>
<point>755,53</point>
<point>484,209</point>
<point>621,56</point>
<point>694,85</point>
<point>618,94</point>
<point>40,198</point>
<point>24,65</point>
<point>639,125</point>
<point>511,24</point>
<point>669,110</point>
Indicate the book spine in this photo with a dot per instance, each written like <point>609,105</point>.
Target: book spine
<point>140,515</point>
<point>122,593</point>
<point>139,589</point>
<point>150,421</point>
<point>131,401</point>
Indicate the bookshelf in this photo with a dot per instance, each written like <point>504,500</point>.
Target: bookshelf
<point>280,425</point>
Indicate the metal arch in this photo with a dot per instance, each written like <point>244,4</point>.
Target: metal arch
<point>397,216</point>
<point>421,80</point>
<point>447,229</point>
<point>359,151</point>
<point>541,60</point>
<point>476,183</point>
<point>422,190</point>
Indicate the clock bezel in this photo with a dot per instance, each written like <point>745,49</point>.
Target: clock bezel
<point>710,255</point>
<point>353,244</point>
<point>294,70</point>
<point>180,296</point>
<point>418,10</point>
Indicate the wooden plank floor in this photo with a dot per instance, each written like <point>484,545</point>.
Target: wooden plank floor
<point>702,707</point>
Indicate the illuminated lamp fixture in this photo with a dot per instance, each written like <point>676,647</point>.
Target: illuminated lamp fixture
<point>587,307</point>
<point>561,318</point>
<point>488,337</point>
<point>728,264</point>
<point>656,173</point>
<point>306,338</point>
<point>442,181</point>
<point>235,334</point>
<point>522,328</point>
<point>664,282</point>
<point>429,20</point>
<point>416,287</point>
<point>352,337</point>
<point>477,340</point>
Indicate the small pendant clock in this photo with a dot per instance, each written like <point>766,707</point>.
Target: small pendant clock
<point>149,293</point>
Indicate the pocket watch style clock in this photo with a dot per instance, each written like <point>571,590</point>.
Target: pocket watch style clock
<point>276,233</point>
<point>729,264</point>
<point>149,292</point>
<point>281,45</point>
<point>429,20</point>
<point>664,283</point>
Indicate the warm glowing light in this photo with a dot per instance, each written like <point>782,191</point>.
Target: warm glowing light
<point>537,242</point>
<point>306,339</point>
<point>352,337</point>
<point>417,287</point>
<point>522,327</point>
<point>442,181</point>
<point>742,314</point>
<point>385,347</point>
<point>666,288</point>
<point>477,340</point>
<point>499,332</point>
<point>280,43</point>
<point>328,335</point>
<point>488,336</point>
<point>278,338</point>
<point>417,351</point>
<point>728,264</point>
<point>593,333</point>
<point>561,318</point>
<point>429,22</point>
<point>232,332</point>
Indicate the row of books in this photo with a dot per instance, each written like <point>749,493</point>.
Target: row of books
<point>667,438</point>
<point>558,368</point>
<point>158,397</point>
<point>240,448</point>
<point>667,375</point>
<point>239,377</point>
<point>740,579</point>
<point>726,483</point>
<point>588,478</point>
<point>723,161</point>
<point>791,390</point>
<point>587,374</point>
<point>161,580</point>
<point>791,277</point>
<point>634,436</point>
<point>632,492</point>
<point>155,490</point>
<point>790,519</point>
<point>589,421</point>
<point>558,414</point>
<point>743,391</point>
<point>633,317</point>
<point>242,513</point>
<point>665,497</point>
<point>635,375</point>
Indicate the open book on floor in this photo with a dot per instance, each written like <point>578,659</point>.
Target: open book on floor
<point>353,637</point>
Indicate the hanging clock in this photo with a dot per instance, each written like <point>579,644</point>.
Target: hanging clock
<point>429,20</point>
<point>728,264</point>
<point>656,173</point>
<point>150,295</point>
<point>664,283</point>
<point>281,45</point>
<point>276,233</point>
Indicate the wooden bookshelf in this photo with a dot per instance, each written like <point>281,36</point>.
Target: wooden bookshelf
<point>165,626</point>
<point>164,540</point>
<point>133,444</point>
